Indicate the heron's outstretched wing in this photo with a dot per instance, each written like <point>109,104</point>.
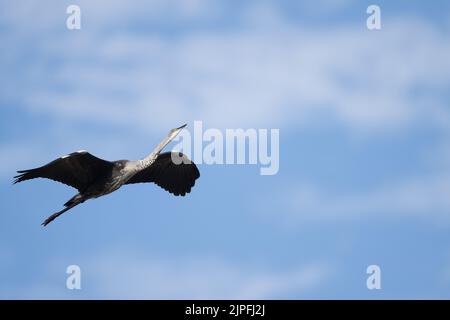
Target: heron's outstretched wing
<point>175,178</point>
<point>78,169</point>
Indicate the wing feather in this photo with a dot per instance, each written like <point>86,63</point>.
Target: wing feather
<point>78,169</point>
<point>177,179</point>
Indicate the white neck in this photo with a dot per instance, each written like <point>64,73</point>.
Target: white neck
<point>148,160</point>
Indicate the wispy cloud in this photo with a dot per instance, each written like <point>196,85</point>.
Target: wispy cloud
<point>421,197</point>
<point>286,75</point>
<point>135,70</point>
<point>138,276</point>
<point>202,278</point>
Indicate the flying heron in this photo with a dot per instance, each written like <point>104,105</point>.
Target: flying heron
<point>94,177</point>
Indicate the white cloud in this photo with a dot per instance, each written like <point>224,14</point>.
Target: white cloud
<point>421,197</point>
<point>250,76</point>
<point>202,278</point>
<point>325,7</point>
<point>137,276</point>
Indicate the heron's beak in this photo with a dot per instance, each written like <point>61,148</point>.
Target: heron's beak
<point>176,131</point>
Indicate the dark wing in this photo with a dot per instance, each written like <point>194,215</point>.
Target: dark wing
<point>175,178</point>
<point>79,170</point>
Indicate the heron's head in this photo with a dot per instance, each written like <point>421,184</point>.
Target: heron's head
<point>174,132</point>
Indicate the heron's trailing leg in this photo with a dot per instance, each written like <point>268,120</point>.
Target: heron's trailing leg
<point>69,205</point>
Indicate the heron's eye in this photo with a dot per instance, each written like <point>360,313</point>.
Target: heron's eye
<point>180,154</point>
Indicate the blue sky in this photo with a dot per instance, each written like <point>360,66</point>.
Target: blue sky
<point>364,125</point>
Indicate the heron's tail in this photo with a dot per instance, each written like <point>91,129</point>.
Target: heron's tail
<point>76,200</point>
